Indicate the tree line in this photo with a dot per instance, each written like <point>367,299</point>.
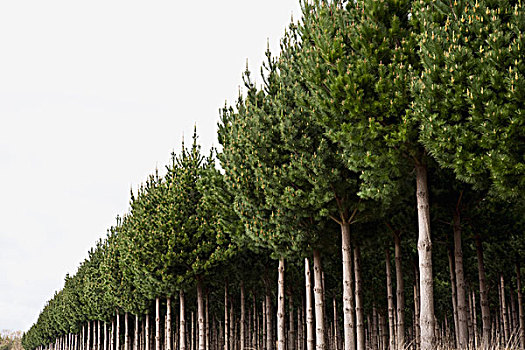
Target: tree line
<point>369,194</point>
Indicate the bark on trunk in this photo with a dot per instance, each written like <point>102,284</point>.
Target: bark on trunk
<point>126,332</point>
<point>348,293</point>
<point>281,328</point>
<point>136,337</point>
<point>454,297</point>
<point>310,342</point>
<point>200,314</point>
<point>226,324</point>
<point>504,310</point>
<point>424,247</point>
<point>269,333</point>
<point>475,319</point>
<point>513,311</point>
<point>400,294</point>
<point>105,336</point>
<point>182,324</point>
<point>207,325</point>
<point>88,346</point>
<point>521,314</point>
<point>462,308</point>
<point>243,319</point>
<point>336,329</point>
<point>416,310</point>
<point>319,307</point>
<point>157,324</point>
<point>359,312</point>
<point>168,324</point>
<point>147,340</point>
<point>291,328</point>
<point>390,301</point>
<point>98,335</point>
<point>483,294</point>
<point>117,335</point>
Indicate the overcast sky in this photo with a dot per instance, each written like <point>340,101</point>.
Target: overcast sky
<point>94,95</point>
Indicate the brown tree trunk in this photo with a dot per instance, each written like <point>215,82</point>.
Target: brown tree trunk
<point>319,305</point>
<point>88,346</point>
<point>462,308</point>
<point>207,326</point>
<point>359,312</point>
<point>147,340</point>
<point>117,335</point>
<point>336,329</point>
<point>281,328</point>
<point>513,311</point>
<point>483,293</point>
<point>504,310</point>
<point>98,335</point>
<point>348,293</point>
<point>424,247</point>
<point>269,333</point>
<point>475,319</point>
<point>454,296</point>
<point>373,335</point>
<point>182,320</point>
<point>310,342</point>
<point>400,294</point>
<point>226,323</point>
<point>416,309</point>
<point>168,324</point>
<point>390,301</point>
<point>521,314</point>
<point>300,332</point>
<point>136,337</point>
<point>263,324</point>
<point>243,319</point>
<point>291,328</point>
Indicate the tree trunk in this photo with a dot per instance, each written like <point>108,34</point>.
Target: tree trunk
<point>483,293</point>
<point>243,319</point>
<point>417,332</point>
<point>454,297</point>
<point>291,328</point>
<point>117,335</point>
<point>360,318</point>
<point>390,300</point>
<point>336,329</point>
<point>348,293</point>
<point>513,311</point>
<point>400,293</point>
<point>98,335</point>
<point>319,307</point>
<point>521,314</point>
<point>281,328</point>
<point>105,336</point>
<point>126,332</point>
<point>168,324</point>
<point>89,336</point>
<point>146,341</point>
<point>373,334</point>
<point>475,319</point>
<point>182,324</point>
<point>424,247</point>
<point>300,332</point>
<point>200,315</point>
<point>269,333</point>
<point>192,332</point>
<point>207,326</point>
<point>504,310</point>
<point>157,324</point>
<point>263,324</point>
<point>462,308</point>
<point>136,337</point>
<point>310,342</point>
<point>226,324</point>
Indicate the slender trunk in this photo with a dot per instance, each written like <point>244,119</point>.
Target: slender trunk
<point>263,324</point>
<point>291,328</point>
<point>319,307</point>
<point>243,319</point>
<point>98,335</point>
<point>117,335</point>
<point>182,320</point>
<point>146,341</point>
<point>126,332</point>
<point>483,293</point>
<point>269,333</point>
<point>348,293</point>
<point>168,323</point>
<point>207,326</point>
<point>89,336</point>
<point>336,329</point>
<point>521,314</point>
<point>373,334</point>
<point>475,319</point>
<point>390,300</point>
<point>504,310</point>
<point>424,247</point>
<point>105,336</point>
<point>192,332</point>
<point>400,293</point>
<point>384,333</point>
<point>200,315</point>
<point>470,341</point>
<point>281,328</point>
<point>513,311</point>
<point>417,332</point>
<point>136,337</point>
<point>310,342</point>
<point>462,308</point>
<point>360,318</point>
<point>454,296</point>
<point>300,332</point>
<point>157,324</point>
<point>226,324</point>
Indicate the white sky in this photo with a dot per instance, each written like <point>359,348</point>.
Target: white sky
<point>93,96</point>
